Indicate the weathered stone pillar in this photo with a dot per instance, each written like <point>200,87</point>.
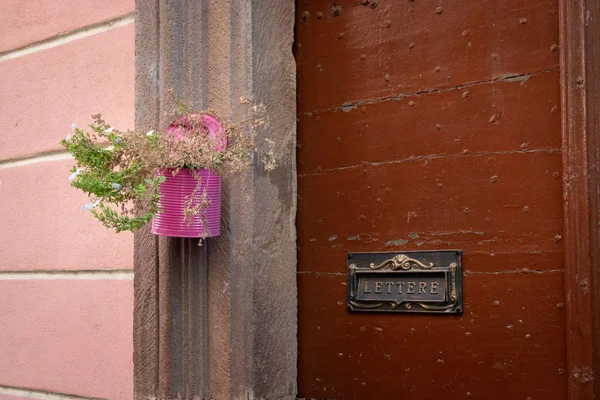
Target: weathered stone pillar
<point>219,321</point>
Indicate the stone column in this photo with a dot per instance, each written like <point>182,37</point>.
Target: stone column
<point>219,321</point>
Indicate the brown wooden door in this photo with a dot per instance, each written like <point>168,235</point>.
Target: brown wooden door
<point>431,125</point>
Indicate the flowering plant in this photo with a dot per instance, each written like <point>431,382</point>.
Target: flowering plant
<point>121,171</point>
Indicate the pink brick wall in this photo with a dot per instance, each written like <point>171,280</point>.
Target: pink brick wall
<point>45,228</point>
<point>66,289</point>
<point>26,22</point>
<point>45,92</point>
<point>68,336</point>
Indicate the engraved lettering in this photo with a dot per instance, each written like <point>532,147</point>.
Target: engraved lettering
<point>367,287</point>
<point>434,288</point>
<point>423,287</point>
<point>378,287</point>
<point>400,284</point>
<point>389,285</point>
<point>411,288</point>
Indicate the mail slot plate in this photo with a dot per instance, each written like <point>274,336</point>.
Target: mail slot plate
<point>406,282</point>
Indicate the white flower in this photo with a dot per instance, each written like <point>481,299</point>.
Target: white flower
<point>89,206</point>
<point>74,174</point>
<point>109,130</point>
<point>118,140</point>
<point>73,126</point>
<point>149,133</point>
<point>116,186</point>
<point>68,138</point>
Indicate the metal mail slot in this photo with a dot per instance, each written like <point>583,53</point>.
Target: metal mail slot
<point>407,282</point>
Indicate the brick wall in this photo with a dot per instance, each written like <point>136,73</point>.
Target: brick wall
<point>66,288</point>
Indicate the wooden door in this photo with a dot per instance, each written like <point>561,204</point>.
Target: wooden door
<point>428,125</point>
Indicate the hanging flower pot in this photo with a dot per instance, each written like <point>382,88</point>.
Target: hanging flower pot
<point>186,189</point>
<point>169,178</point>
<point>202,190</point>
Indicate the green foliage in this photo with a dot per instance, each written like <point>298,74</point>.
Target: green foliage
<point>124,191</point>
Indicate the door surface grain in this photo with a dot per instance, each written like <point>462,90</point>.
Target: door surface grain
<point>428,125</point>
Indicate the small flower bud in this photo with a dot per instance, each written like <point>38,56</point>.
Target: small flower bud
<point>74,174</point>
<point>89,206</point>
